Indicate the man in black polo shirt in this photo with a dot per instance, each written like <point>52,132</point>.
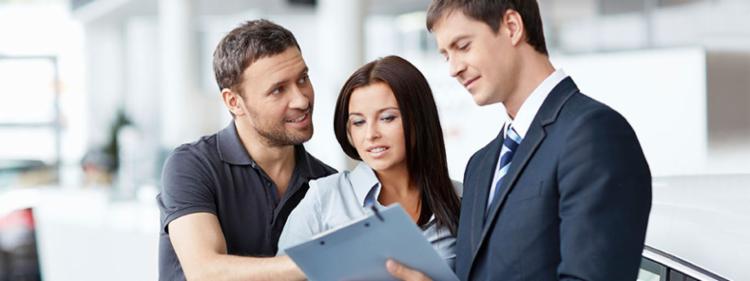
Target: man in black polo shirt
<point>226,197</point>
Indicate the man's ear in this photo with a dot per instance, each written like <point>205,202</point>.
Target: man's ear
<point>512,23</point>
<point>233,101</point>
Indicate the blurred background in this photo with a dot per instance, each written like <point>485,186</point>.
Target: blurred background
<point>94,94</point>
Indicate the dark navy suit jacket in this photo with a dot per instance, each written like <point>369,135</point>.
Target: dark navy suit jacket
<point>574,204</point>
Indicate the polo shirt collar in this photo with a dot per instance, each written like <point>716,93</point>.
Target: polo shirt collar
<point>230,147</point>
<point>304,166</point>
<point>233,152</point>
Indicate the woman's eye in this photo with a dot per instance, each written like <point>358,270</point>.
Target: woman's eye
<point>388,118</point>
<point>357,123</point>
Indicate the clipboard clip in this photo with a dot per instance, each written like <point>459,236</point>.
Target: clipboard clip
<point>377,213</point>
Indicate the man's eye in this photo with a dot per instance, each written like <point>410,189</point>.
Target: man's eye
<point>277,91</point>
<point>303,80</point>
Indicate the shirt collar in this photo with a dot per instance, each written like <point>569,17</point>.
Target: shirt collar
<point>230,147</point>
<point>366,184</point>
<point>308,166</point>
<point>531,105</point>
<point>233,152</point>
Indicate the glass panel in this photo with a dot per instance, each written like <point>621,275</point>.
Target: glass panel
<point>651,271</point>
<point>27,94</point>
<point>28,121</point>
<point>676,276</point>
<point>28,143</point>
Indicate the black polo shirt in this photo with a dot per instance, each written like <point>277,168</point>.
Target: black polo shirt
<point>216,175</point>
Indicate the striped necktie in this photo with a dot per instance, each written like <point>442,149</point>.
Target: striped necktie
<point>510,144</point>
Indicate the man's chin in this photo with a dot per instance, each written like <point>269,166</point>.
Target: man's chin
<point>302,136</point>
<point>482,99</point>
<point>285,137</point>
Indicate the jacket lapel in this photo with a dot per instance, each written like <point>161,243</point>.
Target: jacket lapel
<point>486,171</point>
<point>546,115</point>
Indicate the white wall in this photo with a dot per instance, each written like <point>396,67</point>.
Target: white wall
<point>663,93</point>
<point>665,104</point>
<point>690,108</point>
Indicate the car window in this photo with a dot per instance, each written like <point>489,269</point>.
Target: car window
<point>652,271</point>
<point>675,275</point>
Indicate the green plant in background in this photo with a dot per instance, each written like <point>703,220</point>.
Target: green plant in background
<point>113,148</point>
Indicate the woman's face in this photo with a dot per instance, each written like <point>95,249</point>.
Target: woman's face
<point>375,127</point>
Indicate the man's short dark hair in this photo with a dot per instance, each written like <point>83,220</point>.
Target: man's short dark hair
<point>491,13</point>
<point>246,44</point>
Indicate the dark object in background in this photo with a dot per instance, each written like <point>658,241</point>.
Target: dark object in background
<point>303,2</point>
<point>113,147</point>
<point>100,164</point>
<point>19,260</point>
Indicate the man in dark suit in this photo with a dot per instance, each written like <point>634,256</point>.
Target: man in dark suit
<point>564,191</point>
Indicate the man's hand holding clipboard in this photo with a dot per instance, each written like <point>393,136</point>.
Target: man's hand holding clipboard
<point>404,273</point>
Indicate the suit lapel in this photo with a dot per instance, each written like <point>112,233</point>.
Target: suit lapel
<point>486,171</point>
<point>546,115</point>
<point>525,151</point>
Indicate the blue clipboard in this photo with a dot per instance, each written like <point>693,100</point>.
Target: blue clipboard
<point>359,250</point>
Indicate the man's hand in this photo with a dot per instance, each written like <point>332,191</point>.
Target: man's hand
<point>404,273</point>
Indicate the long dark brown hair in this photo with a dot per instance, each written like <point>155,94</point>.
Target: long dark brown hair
<point>423,136</point>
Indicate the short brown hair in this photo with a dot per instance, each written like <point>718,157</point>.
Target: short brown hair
<point>423,136</point>
<point>246,44</point>
<point>491,13</point>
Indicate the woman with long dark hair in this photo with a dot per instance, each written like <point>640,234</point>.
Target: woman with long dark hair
<point>386,118</point>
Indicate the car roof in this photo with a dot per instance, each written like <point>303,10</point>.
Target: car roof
<point>705,220</point>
